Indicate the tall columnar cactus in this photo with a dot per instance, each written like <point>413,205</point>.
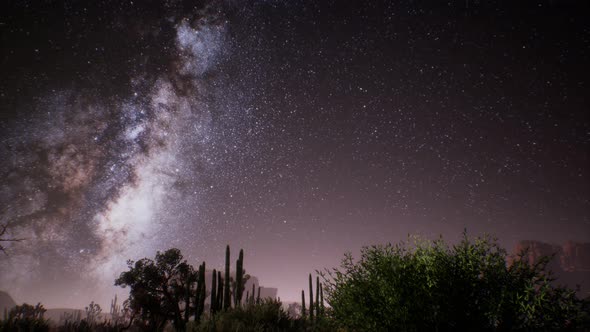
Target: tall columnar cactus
<point>203,287</point>
<point>213,306</point>
<point>201,293</point>
<point>227,283</point>
<point>253,292</point>
<point>302,303</point>
<point>220,288</point>
<point>190,280</point>
<point>310,299</point>
<point>322,310</point>
<point>258,296</point>
<point>317,296</point>
<point>115,310</point>
<point>239,279</point>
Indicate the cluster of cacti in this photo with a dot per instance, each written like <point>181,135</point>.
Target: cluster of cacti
<point>118,313</point>
<point>195,292</point>
<point>252,299</point>
<point>222,288</point>
<point>316,309</point>
<point>115,310</point>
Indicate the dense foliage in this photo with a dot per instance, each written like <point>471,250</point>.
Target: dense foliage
<point>431,286</point>
<point>159,289</point>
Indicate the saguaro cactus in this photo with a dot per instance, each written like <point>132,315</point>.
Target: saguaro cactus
<point>213,306</point>
<point>322,300</point>
<point>302,303</point>
<point>258,296</point>
<point>310,298</point>
<point>201,293</point>
<point>227,282</point>
<point>317,296</point>
<point>239,279</point>
<point>115,310</point>
<point>220,288</point>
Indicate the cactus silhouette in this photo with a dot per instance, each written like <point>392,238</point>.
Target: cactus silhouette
<point>258,296</point>
<point>213,306</point>
<point>310,299</point>
<point>220,288</point>
<point>227,282</point>
<point>201,293</point>
<point>302,303</point>
<point>317,296</point>
<point>322,310</point>
<point>239,288</point>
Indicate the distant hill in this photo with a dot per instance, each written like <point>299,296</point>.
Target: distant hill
<point>571,263</point>
<point>6,303</point>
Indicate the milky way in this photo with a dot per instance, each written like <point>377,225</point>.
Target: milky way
<point>297,130</point>
<point>93,182</point>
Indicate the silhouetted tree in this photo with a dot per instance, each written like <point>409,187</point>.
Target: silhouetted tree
<point>158,288</point>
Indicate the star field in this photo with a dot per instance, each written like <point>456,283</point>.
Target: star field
<point>295,130</point>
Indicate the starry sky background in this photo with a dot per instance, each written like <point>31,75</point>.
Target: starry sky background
<point>297,130</point>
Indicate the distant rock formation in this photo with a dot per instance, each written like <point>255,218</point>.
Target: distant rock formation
<point>6,303</point>
<point>268,292</point>
<point>576,257</point>
<point>570,263</point>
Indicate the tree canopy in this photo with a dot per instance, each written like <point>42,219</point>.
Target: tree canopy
<point>431,286</point>
<point>158,289</point>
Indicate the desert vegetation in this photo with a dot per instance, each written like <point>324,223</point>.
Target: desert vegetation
<point>417,285</point>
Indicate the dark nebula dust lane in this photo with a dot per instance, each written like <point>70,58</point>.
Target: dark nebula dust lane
<point>296,130</point>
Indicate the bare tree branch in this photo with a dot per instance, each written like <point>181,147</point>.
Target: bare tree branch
<point>3,228</point>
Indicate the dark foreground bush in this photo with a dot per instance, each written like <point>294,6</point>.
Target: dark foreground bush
<point>430,286</point>
<point>268,315</point>
<point>25,318</point>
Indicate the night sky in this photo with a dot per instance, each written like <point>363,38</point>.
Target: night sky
<point>297,130</point>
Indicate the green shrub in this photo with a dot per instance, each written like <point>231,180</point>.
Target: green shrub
<point>430,286</point>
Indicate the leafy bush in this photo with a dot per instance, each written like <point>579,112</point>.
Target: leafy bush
<point>268,315</point>
<point>25,318</point>
<point>159,289</point>
<point>429,285</point>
